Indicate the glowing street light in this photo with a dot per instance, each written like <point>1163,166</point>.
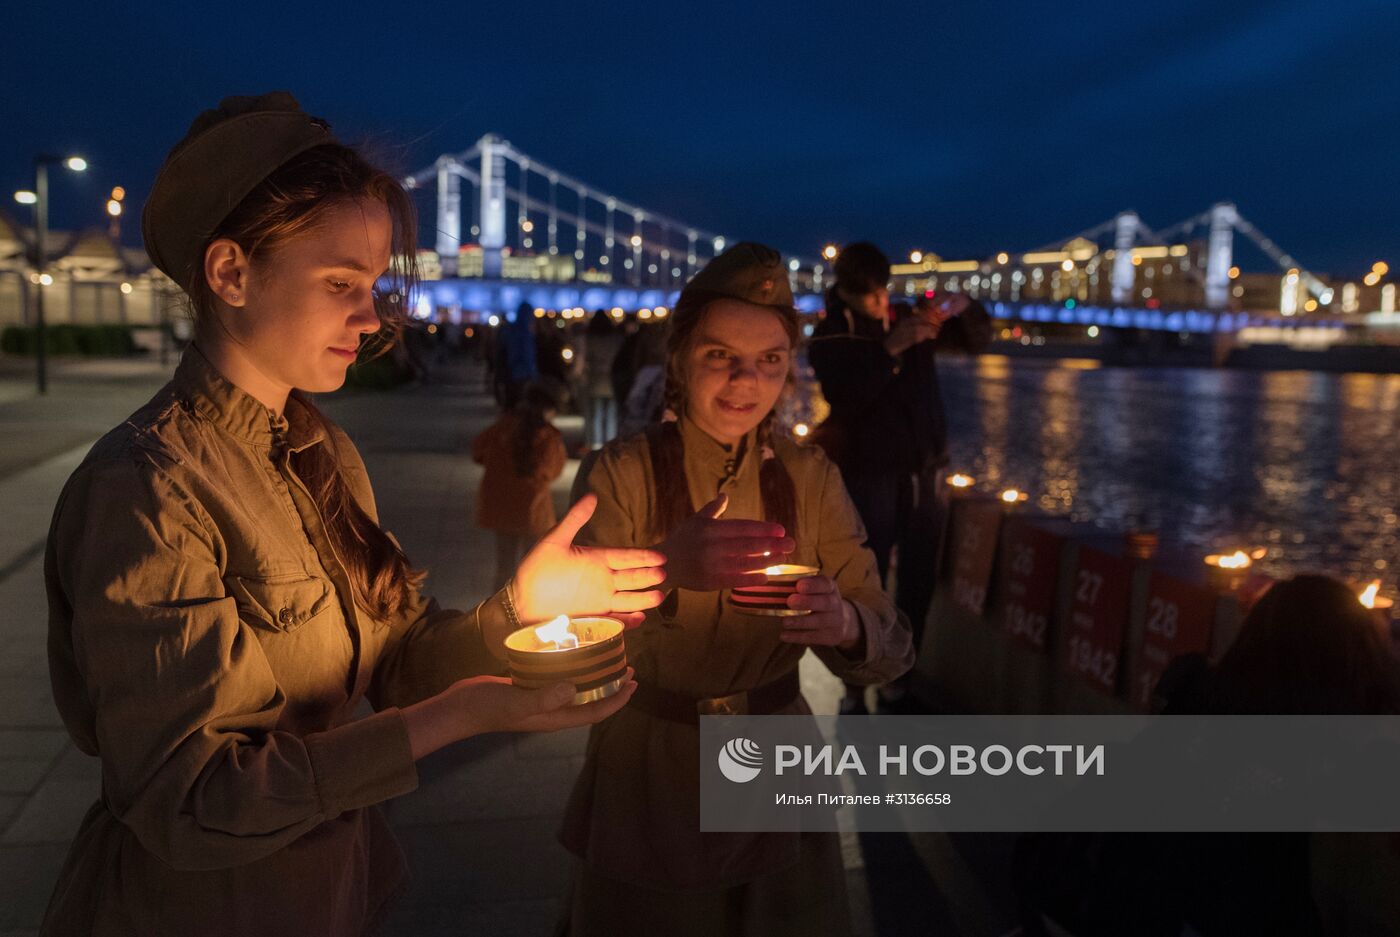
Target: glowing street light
<point>26,197</point>
<point>41,226</point>
<point>830,252</point>
<point>114,210</point>
<point>915,256</point>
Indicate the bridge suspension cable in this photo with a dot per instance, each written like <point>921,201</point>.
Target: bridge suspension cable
<point>650,253</point>
<point>1223,219</point>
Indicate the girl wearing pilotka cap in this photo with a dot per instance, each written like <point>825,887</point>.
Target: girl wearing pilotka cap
<point>721,492</point>
<point>222,598</point>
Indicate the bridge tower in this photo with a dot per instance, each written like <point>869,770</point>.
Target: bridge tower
<point>449,214</point>
<point>1220,254</point>
<point>493,204</point>
<point>1124,237</point>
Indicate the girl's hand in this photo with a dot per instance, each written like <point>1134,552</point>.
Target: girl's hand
<point>494,704</point>
<point>558,578</point>
<point>833,621</point>
<point>705,554</point>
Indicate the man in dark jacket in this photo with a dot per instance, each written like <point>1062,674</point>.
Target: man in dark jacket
<point>887,430</point>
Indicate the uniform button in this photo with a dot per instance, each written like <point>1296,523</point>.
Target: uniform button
<point>285,616</point>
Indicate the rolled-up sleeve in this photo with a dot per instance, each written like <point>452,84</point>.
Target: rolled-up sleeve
<point>886,648</point>
<point>184,705</point>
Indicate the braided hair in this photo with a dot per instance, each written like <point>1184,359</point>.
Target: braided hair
<point>672,492</point>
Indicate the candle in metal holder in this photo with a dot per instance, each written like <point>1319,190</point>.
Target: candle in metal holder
<point>1382,607</point>
<point>771,597</point>
<point>1227,570</point>
<point>1011,497</point>
<point>587,652</point>
<point>959,483</point>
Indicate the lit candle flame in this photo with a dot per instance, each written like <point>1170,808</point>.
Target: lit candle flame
<point>1237,560</point>
<point>1369,594</point>
<point>961,481</point>
<point>773,571</point>
<point>557,633</point>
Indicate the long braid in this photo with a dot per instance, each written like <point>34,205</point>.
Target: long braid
<point>774,483</point>
<point>672,491</point>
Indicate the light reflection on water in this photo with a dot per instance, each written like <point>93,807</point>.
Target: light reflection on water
<point>1302,462</point>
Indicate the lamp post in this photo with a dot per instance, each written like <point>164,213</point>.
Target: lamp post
<point>114,211</point>
<point>39,198</point>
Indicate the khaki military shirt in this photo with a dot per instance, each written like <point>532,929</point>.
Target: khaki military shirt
<point>204,644</point>
<point>634,813</point>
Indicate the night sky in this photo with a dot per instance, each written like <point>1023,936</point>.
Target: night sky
<point>963,128</point>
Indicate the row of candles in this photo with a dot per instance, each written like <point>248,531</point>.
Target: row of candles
<point>1227,569</point>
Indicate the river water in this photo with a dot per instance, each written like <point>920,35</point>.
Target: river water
<point>1303,463</point>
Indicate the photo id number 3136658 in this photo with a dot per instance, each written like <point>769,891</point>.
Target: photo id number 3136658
<point>922,800</point>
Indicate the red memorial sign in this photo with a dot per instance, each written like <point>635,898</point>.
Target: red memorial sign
<point>974,546</point>
<point>1098,617</point>
<point>1030,572</point>
<point>1180,618</point>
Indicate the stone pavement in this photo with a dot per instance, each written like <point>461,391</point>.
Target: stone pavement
<point>479,831</point>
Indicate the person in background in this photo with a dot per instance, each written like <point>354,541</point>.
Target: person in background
<point>600,345</point>
<point>516,356</point>
<point>625,363</point>
<point>876,363</point>
<point>646,391</point>
<point>522,453</point>
<point>554,365</point>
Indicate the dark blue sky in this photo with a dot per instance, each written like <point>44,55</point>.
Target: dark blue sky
<point>960,128</point>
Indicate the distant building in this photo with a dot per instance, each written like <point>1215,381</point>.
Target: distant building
<point>1170,276</point>
<point>95,280</point>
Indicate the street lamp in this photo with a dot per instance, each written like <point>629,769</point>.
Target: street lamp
<point>40,201</point>
<point>114,211</point>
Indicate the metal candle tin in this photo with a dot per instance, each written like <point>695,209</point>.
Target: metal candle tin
<point>771,597</point>
<point>597,667</point>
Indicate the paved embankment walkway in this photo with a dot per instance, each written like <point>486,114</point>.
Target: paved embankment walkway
<point>479,831</point>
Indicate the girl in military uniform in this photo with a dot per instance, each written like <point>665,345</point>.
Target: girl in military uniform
<point>633,819</point>
<point>222,598</point>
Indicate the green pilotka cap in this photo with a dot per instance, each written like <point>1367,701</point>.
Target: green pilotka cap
<point>223,157</point>
<point>748,271</point>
